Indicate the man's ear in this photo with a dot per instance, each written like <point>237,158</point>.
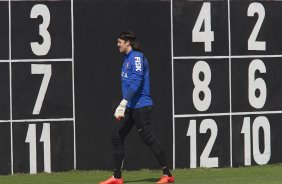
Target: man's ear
<point>127,42</point>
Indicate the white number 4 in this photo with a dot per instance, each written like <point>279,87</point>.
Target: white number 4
<point>206,36</point>
<point>47,71</point>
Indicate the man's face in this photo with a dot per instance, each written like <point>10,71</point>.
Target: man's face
<point>123,45</point>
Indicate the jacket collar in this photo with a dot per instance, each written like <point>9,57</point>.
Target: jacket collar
<point>129,54</point>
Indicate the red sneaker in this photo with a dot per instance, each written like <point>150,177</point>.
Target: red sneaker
<point>166,179</point>
<point>112,180</point>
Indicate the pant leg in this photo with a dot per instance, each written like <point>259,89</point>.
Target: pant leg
<point>120,131</point>
<point>143,120</point>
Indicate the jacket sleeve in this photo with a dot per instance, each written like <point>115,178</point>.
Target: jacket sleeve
<point>137,77</point>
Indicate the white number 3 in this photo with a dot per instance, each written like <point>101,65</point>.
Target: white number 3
<point>43,48</point>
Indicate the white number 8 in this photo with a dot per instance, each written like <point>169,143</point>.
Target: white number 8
<point>201,66</point>
<point>43,48</point>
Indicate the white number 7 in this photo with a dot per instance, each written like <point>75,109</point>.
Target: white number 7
<point>47,71</point>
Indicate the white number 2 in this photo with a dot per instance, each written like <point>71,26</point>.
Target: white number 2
<point>252,43</point>
<point>206,36</point>
<point>47,71</point>
<point>43,48</point>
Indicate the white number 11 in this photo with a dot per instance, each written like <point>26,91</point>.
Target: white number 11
<point>45,138</point>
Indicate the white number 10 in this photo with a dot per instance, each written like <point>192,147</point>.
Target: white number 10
<point>260,122</point>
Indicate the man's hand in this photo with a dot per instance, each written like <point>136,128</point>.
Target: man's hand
<point>120,110</point>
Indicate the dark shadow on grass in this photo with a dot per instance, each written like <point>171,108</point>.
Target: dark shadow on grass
<point>146,179</point>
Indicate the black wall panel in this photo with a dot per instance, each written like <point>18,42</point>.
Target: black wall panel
<point>270,153</point>
<point>97,77</point>
<point>5,92</point>
<point>225,52</point>
<point>57,102</point>
<point>242,27</point>
<point>61,146</point>
<point>4,30</point>
<point>26,29</point>
<point>271,77</point>
<point>184,86</point>
<point>185,14</point>
<point>219,154</point>
<point>5,151</point>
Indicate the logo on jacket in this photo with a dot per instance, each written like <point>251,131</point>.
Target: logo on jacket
<point>123,74</point>
<point>138,63</point>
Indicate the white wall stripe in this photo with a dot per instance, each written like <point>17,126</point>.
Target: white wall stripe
<point>73,87</point>
<point>172,80</point>
<point>230,84</point>
<point>10,83</point>
<point>228,114</point>
<point>43,120</point>
<point>5,121</point>
<point>226,57</point>
<point>41,60</point>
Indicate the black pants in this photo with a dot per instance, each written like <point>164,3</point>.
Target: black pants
<point>142,118</point>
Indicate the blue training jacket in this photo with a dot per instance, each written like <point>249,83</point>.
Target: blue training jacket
<point>135,80</point>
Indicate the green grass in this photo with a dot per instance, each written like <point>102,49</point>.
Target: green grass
<point>271,174</point>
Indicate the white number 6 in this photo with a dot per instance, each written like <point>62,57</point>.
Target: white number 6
<point>257,84</point>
